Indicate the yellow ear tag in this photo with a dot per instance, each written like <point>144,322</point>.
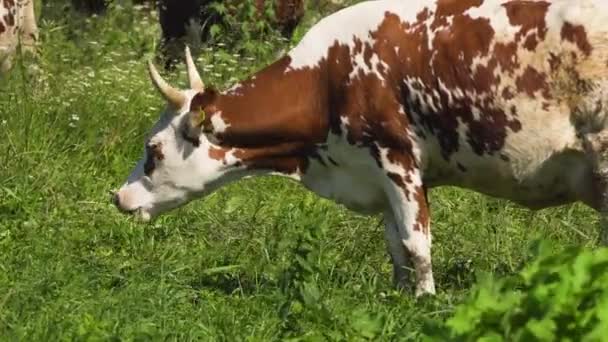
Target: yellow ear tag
<point>201,116</point>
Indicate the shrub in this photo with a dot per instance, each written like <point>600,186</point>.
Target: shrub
<point>558,296</point>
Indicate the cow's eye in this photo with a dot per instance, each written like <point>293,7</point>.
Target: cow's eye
<point>194,141</point>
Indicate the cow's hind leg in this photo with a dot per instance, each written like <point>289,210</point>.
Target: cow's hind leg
<point>407,196</point>
<point>596,146</point>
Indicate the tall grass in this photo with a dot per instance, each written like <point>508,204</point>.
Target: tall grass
<point>259,260</point>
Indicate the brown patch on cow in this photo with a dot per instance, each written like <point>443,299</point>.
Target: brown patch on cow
<point>506,56</point>
<point>217,153</point>
<point>2,28</point>
<point>260,114</point>
<point>554,62</point>
<point>397,179</point>
<point>279,117</point>
<point>507,93</point>
<point>447,8</point>
<point>484,77</point>
<point>9,4</point>
<point>452,53</point>
<point>423,215</point>
<point>531,42</point>
<point>454,49</point>
<point>576,34</point>
<point>529,16</point>
<point>532,81</point>
<point>287,158</point>
<point>423,15</point>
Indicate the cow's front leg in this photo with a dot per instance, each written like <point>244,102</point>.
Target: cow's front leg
<point>407,196</point>
<point>396,250</point>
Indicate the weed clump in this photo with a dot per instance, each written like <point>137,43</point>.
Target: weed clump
<point>556,297</point>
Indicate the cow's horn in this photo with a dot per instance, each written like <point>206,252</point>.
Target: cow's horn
<point>174,96</point>
<point>193,76</point>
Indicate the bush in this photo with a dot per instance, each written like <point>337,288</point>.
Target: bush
<point>558,296</point>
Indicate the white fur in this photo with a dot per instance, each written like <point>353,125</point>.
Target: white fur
<point>219,125</point>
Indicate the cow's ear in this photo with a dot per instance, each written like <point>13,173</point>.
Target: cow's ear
<point>203,105</point>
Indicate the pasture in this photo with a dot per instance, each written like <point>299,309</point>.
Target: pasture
<point>259,260</point>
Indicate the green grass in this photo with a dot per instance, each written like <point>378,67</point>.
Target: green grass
<point>262,259</point>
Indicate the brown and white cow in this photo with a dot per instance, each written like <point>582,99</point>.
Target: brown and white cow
<point>383,100</point>
<point>17,25</point>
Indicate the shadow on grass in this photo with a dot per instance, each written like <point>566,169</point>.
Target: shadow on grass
<point>232,283</point>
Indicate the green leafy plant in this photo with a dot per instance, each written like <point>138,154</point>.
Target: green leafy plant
<point>240,26</point>
<point>561,296</point>
<point>304,299</point>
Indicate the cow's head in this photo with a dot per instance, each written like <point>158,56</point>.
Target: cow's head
<point>178,163</point>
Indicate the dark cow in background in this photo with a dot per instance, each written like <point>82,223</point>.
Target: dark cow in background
<point>180,18</point>
<point>288,14</point>
<point>17,25</point>
<point>91,7</point>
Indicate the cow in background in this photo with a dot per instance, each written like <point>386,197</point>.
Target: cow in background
<point>17,26</point>
<point>178,19</point>
<point>97,7</point>
<point>288,14</point>
<point>90,7</point>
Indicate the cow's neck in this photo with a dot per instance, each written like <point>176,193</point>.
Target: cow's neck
<point>274,120</point>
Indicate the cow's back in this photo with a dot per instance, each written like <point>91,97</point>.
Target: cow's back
<point>489,90</point>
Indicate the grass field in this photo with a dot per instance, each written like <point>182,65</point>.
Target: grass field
<point>260,260</point>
